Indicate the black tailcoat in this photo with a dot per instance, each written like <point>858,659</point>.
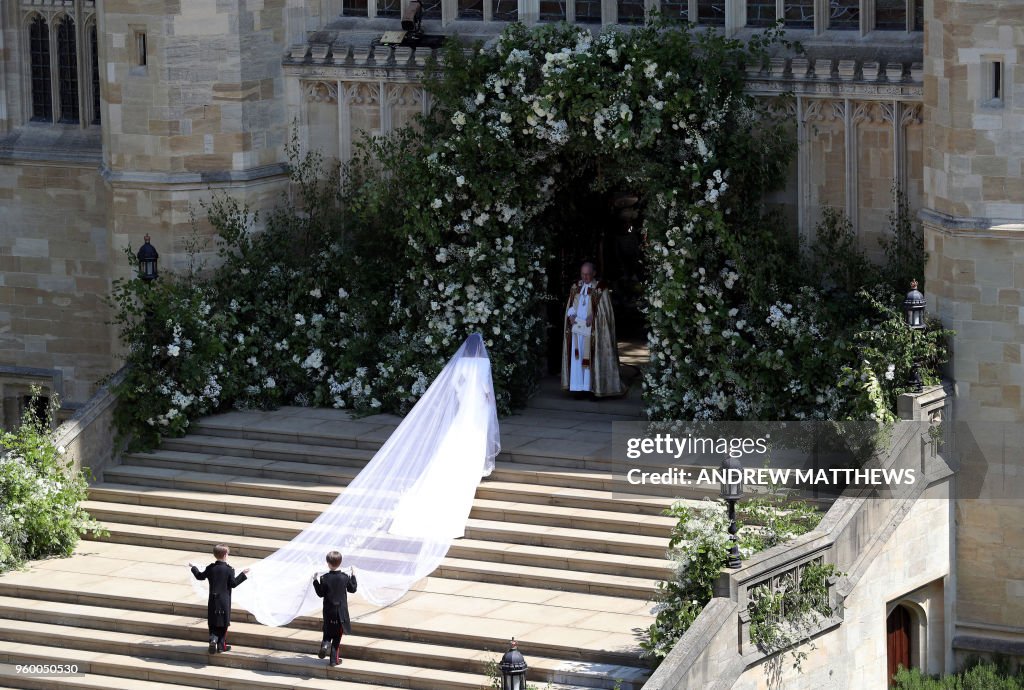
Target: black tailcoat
<point>334,587</point>
<point>222,580</point>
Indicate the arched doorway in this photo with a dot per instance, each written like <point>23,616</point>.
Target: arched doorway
<point>897,639</point>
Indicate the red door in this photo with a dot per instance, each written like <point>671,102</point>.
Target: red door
<point>898,640</point>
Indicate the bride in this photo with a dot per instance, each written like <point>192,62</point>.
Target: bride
<point>397,518</point>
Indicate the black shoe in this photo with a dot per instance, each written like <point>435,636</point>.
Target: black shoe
<point>325,649</point>
<point>213,644</point>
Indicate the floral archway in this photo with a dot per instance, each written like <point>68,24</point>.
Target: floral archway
<point>358,288</point>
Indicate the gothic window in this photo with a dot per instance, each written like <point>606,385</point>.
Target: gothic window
<point>388,8</point>
<point>918,15</point>
<point>630,11</point>
<point>95,57</point>
<point>711,12</point>
<point>676,10</point>
<point>67,70</point>
<point>471,9</point>
<point>799,14</point>
<point>552,10</point>
<point>760,12</point>
<point>588,11</point>
<point>39,47</point>
<point>891,15</point>
<point>354,8</point>
<point>844,14</point>
<point>506,10</point>
<point>431,9</point>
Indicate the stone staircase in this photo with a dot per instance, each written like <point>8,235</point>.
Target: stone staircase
<point>550,557</point>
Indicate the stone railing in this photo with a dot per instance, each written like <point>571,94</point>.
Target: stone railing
<point>717,648</point>
<point>88,436</point>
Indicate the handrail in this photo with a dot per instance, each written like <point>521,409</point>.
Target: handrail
<point>855,527</point>
<point>88,437</point>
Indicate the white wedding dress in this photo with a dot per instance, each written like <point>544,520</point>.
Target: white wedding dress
<point>395,521</point>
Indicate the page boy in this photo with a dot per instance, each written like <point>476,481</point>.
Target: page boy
<point>222,579</point>
<point>334,587</point>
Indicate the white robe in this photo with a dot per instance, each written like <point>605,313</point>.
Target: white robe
<point>579,377</point>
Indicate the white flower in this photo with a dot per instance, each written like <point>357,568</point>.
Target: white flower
<point>480,98</point>
<point>300,320</point>
<point>436,203</point>
<point>173,350</point>
<point>342,293</point>
<point>459,119</point>
<point>252,362</point>
<point>890,372</point>
<point>460,180</point>
<point>270,382</point>
<point>315,293</point>
<point>613,54</point>
<point>314,361</point>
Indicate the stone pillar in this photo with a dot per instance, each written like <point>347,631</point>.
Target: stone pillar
<point>974,234</point>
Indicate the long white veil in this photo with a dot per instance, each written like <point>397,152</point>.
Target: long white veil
<point>397,518</point>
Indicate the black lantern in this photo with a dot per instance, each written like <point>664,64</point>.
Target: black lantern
<point>732,491</point>
<point>147,260</point>
<point>913,310</point>
<point>513,669</point>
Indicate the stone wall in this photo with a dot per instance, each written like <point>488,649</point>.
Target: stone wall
<point>974,233</point>
<point>912,569</point>
<point>55,257</point>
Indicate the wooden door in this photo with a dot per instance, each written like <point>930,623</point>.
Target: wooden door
<point>898,640</point>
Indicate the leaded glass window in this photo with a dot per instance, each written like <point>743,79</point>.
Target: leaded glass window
<point>471,9</point>
<point>630,11</point>
<point>39,47</point>
<point>676,10</point>
<point>711,12</point>
<point>67,70</point>
<point>552,10</point>
<point>506,10</point>
<point>799,14</point>
<point>844,14</point>
<point>95,74</point>
<point>588,11</point>
<point>760,12</point>
<point>354,8</point>
<point>891,15</point>
<point>389,8</point>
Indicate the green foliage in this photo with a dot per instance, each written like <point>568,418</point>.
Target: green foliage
<point>40,514</point>
<point>783,617</point>
<point>699,546</point>
<point>976,676</point>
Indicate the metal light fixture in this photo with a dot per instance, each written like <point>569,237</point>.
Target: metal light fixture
<point>513,669</point>
<point>913,311</point>
<point>147,260</point>
<point>732,492</point>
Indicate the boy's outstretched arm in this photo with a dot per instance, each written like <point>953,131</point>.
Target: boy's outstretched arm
<point>318,588</point>
<point>240,578</point>
<point>352,582</point>
<point>197,573</point>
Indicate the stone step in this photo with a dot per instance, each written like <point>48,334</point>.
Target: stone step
<point>282,509</point>
<point>555,578</point>
<point>600,479</point>
<point>465,548</point>
<point>510,489</point>
<point>434,656</point>
<point>277,486</point>
<point>171,661</point>
<point>580,628</point>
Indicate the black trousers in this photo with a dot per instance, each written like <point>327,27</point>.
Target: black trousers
<point>222,634</point>
<point>332,634</point>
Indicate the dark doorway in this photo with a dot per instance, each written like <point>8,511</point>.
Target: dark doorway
<point>898,640</point>
<point>604,228</point>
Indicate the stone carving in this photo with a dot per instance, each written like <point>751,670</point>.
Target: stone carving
<point>320,91</point>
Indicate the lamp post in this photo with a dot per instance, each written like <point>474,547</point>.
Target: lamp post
<point>513,669</point>
<point>147,260</point>
<point>732,492</point>
<point>913,311</point>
